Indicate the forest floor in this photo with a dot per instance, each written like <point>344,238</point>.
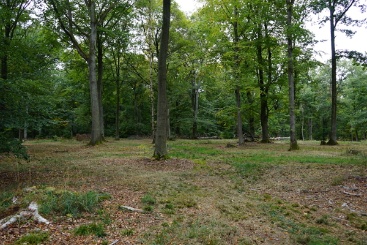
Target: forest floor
<point>208,192</point>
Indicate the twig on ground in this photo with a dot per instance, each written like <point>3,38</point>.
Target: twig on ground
<point>352,194</point>
<point>114,242</point>
<point>131,209</point>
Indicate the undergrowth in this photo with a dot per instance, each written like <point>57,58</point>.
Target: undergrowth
<point>33,238</point>
<point>71,203</point>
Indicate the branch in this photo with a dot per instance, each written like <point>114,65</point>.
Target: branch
<point>69,32</point>
<point>131,209</point>
<point>344,12</point>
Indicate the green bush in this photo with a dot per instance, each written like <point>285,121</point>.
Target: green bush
<point>14,146</point>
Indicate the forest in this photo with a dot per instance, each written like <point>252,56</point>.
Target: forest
<point>91,68</point>
<point>256,139</point>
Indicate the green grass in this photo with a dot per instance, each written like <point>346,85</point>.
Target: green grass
<point>191,231</point>
<point>90,229</point>
<point>301,231</point>
<point>33,238</point>
<point>71,203</point>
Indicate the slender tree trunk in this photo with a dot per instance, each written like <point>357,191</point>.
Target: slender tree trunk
<point>96,132</point>
<point>241,139</point>
<point>5,50</point>
<point>99,83</point>
<point>263,91</point>
<point>292,116</point>
<point>152,109</point>
<point>251,119</point>
<point>117,119</point>
<point>332,137</point>
<point>310,133</point>
<point>160,151</point>
<point>237,63</point>
<point>195,108</point>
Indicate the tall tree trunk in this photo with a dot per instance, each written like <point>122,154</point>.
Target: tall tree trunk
<point>195,107</point>
<point>160,151</point>
<point>310,133</point>
<point>152,109</point>
<point>118,100</point>
<point>263,90</point>
<point>332,136</point>
<point>241,139</point>
<point>96,132</point>
<point>99,81</point>
<point>292,116</point>
<point>237,68</point>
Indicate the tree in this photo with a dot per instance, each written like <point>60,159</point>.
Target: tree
<point>337,15</point>
<point>79,22</point>
<point>292,117</point>
<point>160,151</point>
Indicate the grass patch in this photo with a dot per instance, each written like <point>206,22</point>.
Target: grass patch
<point>127,232</point>
<point>33,238</point>
<point>71,203</point>
<point>192,231</point>
<point>149,202</point>
<point>301,233</point>
<point>357,221</point>
<point>90,229</point>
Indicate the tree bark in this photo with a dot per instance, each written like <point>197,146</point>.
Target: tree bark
<point>237,63</point>
<point>195,107</point>
<point>160,151</point>
<point>96,132</point>
<point>100,80</point>
<point>292,117</point>
<point>332,136</point>
<point>251,119</point>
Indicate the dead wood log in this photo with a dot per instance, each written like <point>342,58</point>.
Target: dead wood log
<point>30,212</point>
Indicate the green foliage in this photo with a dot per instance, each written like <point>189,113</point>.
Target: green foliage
<point>70,203</point>
<point>90,229</point>
<point>5,200</point>
<point>148,199</point>
<point>14,146</point>
<point>148,202</point>
<point>33,238</point>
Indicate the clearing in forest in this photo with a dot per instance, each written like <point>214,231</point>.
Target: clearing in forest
<point>206,193</point>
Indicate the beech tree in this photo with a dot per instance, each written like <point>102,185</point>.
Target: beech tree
<point>338,10</point>
<point>292,117</point>
<point>160,151</point>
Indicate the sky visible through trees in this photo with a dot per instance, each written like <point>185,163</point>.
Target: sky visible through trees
<point>357,42</point>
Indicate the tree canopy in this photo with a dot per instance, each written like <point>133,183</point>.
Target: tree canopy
<point>233,69</point>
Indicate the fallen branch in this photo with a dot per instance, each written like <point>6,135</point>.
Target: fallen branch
<point>131,209</point>
<point>352,194</point>
<point>114,242</point>
<point>32,211</point>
